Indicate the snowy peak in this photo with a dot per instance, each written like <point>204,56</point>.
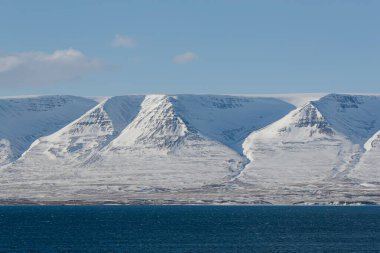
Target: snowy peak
<point>90,133</point>
<point>166,120</point>
<point>156,125</point>
<point>354,116</point>
<point>190,148</point>
<point>310,117</point>
<point>300,125</point>
<point>111,115</point>
<point>322,140</point>
<point>301,147</point>
<point>23,120</point>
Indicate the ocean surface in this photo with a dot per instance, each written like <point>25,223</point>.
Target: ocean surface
<point>189,229</point>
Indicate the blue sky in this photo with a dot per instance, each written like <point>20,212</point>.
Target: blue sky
<point>190,46</point>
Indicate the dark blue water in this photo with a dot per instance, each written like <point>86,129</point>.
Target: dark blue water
<point>189,229</point>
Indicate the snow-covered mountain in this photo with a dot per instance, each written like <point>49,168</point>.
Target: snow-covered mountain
<point>78,141</point>
<point>191,148</point>
<point>300,148</point>
<point>152,142</point>
<point>188,140</point>
<point>321,141</point>
<point>23,120</point>
<point>166,120</point>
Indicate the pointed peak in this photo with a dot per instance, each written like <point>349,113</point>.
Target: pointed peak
<point>157,124</point>
<point>310,116</point>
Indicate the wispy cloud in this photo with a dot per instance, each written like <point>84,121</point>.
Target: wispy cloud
<point>124,41</point>
<point>185,57</point>
<point>40,68</point>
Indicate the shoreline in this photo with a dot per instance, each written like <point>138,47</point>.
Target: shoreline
<point>175,203</point>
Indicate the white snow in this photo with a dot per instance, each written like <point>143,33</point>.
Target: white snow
<point>355,116</point>
<point>23,120</point>
<point>283,148</point>
<point>300,148</point>
<point>296,99</point>
<point>181,139</point>
<point>83,138</point>
<point>368,168</point>
<point>372,142</point>
<point>320,141</point>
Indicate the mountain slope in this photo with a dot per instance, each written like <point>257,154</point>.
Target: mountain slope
<point>320,141</point>
<point>300,148</point>
<point>368,168</point>
<point>23,120</point>
<point>191,149</point>
<point>355,116</point>
<point>156,125</point>
<point>229,119</point>
<point>151,143</point>
<point>80,140</point>
<point>183,136</point>
<point>164,120</point>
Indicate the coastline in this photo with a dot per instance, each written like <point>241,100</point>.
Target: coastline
<point>140,202</point>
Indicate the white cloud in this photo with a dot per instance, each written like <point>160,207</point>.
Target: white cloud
<point>185,58</point>
<point>124,41</point>
<point>40,68</point>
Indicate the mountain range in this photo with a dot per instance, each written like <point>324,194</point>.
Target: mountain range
<point>191,149</point>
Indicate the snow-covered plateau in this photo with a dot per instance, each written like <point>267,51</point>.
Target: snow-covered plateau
<point>191,149</point>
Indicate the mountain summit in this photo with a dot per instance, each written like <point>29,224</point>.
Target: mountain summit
<point>191,148</point>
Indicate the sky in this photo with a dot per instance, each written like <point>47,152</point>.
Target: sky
<point>117,47</point>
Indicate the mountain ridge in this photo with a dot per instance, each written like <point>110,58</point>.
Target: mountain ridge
<point>252,148</point>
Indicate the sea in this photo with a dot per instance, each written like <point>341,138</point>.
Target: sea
<point>189,229</point>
